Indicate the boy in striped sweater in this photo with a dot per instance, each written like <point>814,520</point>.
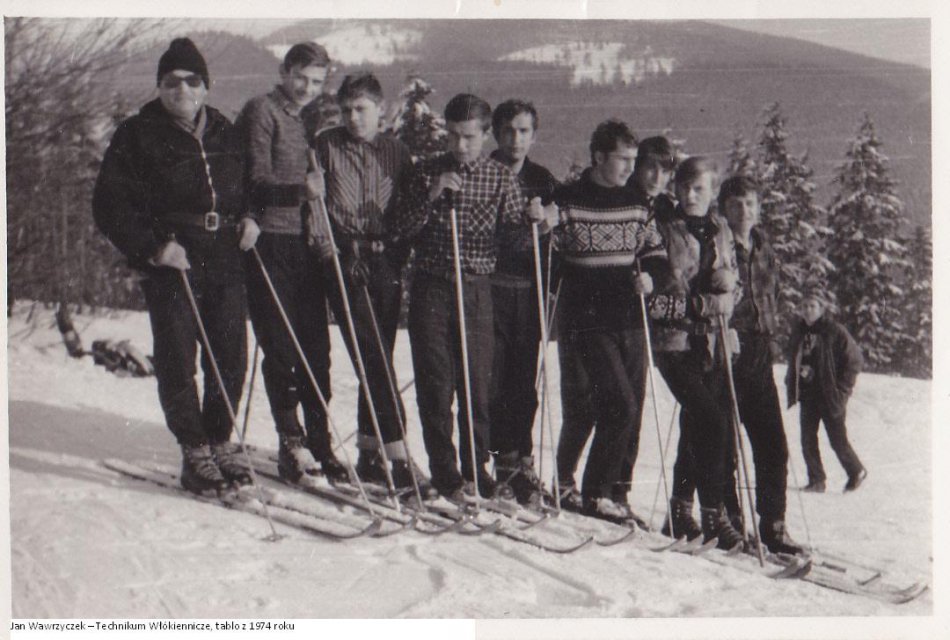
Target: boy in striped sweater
<point>608,245</point>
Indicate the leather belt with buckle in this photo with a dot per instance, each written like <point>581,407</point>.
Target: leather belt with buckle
<point>212,221</point>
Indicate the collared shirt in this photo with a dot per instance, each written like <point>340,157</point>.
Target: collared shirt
<point>275,139</point>
<point>489,204</point>
<point>362,180</point>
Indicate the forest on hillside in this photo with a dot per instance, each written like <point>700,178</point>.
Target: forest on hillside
<point>849,226</point>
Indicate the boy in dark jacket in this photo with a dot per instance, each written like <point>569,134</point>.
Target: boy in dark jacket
<point>169,197</point>
<point>515,300</point>
<point>823,364</point>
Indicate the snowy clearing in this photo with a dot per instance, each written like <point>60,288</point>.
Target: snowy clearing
<point>86,542</point>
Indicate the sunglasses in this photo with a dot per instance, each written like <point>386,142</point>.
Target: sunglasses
<point>172,81</point>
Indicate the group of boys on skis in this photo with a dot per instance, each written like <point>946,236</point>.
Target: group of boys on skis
<point>273,216</point>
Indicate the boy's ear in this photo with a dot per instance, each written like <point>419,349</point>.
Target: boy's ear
<point>281,70</point>
<point>599,157</point>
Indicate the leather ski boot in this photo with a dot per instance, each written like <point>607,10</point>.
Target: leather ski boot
<point>294,460</point>
<point>199,473</point>
<point>681,513</point>
<point>232,463</point>
<point>715,524</point>
<point>775,537</point>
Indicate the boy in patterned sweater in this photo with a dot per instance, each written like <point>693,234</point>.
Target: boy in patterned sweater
<point>608,245</point>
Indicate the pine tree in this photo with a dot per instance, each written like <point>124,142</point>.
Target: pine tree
<point>416,125</point>
<point>916,354</point>
<point>795,224</point>
<point>866,248</point>
<point>740,158</point>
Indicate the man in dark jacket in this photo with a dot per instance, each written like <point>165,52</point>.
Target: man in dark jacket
<point>823,364</point>
<point>169,197</point>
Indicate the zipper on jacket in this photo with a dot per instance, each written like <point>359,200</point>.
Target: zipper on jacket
<point>204,160</point>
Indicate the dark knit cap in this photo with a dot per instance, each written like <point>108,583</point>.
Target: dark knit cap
<point>183,54</point>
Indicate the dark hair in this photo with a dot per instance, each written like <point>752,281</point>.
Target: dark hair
<point>736,187</point>
<point>306,54</point>
<point>508,110</point>
<point>655,149</point>
<point>465,107</point>
<point>359,85</point>
<point>609,135</point>
<point>695,166</point>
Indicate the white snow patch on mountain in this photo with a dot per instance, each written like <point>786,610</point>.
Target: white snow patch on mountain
<point>375,44</point>
<point>599,63</point>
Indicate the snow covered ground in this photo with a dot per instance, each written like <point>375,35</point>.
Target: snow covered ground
<point>87,543</point>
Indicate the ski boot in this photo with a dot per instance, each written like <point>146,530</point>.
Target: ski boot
<point>232,463</point>
<point>775,537</point>
<point>570,498</point>
<point>199,473</point>
<point>403,473</point>
<point>681,513</point>
<point>716,524</point>
<point>294,460</point>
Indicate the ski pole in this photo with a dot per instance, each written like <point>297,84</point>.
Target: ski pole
<point>313,380</point>
<point>543,322</point>
<point>656,412</point>
<point>206,343</point>
<point>552,305</point>
<point>250,388</point>
<point>666,451</point>
<point>388,366</point>
<point>357,355</point>
<point>463,338</point>
<point>736,422</point>
<point>801,503</point>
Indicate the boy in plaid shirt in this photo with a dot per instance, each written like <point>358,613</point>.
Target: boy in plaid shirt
<point>487,199</point>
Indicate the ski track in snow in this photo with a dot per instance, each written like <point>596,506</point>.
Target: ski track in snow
<point>87,542</point>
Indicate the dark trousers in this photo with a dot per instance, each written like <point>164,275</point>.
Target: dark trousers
<point>385,295</point>
<point>813,411</point>
<point>514,399</point>
<point>297,277</point>
<point>217,283</point>
<point>577,413</point>
<point>437,361</point>
<point>614,362</point>
<point>705,436</point>
<point>761,414</point>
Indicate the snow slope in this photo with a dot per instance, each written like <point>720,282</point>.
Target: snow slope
<point>88,543</point>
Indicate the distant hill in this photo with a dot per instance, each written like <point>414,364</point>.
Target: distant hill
<point>702,81</point>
